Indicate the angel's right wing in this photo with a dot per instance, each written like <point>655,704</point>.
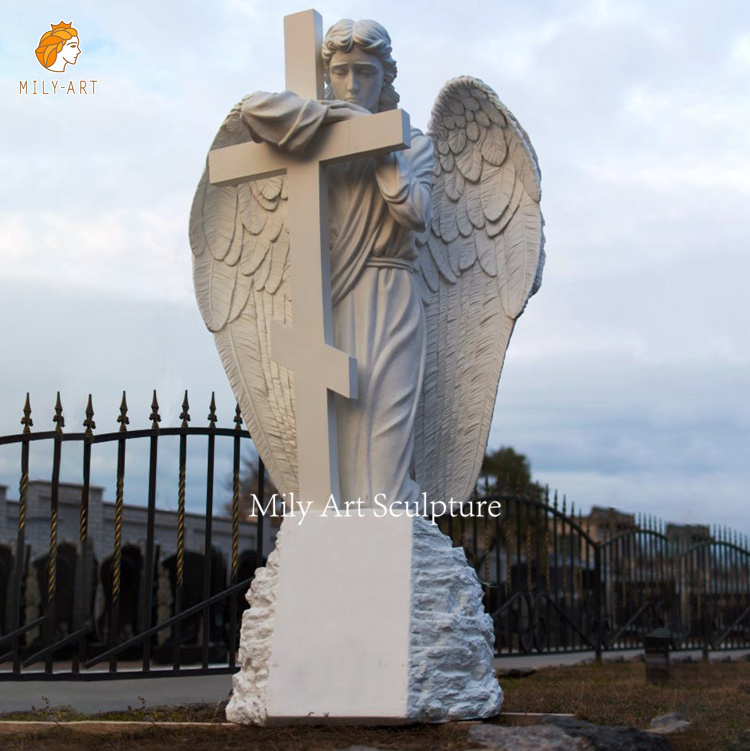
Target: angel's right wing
<point>240,245</point>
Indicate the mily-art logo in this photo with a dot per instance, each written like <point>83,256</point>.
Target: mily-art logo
<point>57,49</point>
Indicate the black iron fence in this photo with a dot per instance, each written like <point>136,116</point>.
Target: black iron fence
<point>119,597</point>
<point>554,584</point>
<point>154,586</point>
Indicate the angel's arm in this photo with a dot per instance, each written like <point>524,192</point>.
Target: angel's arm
<point>405,182</point>
<point>290,121</point>
<point>286,120</point>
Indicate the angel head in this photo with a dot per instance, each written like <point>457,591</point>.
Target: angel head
<point>359,66</point>
<point>59,47</point>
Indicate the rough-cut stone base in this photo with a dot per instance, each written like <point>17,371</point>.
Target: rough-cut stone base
<point>448,674</point>
<point>247,705</point>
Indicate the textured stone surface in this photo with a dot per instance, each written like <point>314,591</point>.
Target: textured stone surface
<point>667,724</point>
<point>450,666</point>
<point>566,734</point>
<point>250,685</point>
<point>603,738</point>
<point>535,738</point>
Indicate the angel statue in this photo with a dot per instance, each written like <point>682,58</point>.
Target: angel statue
<point>434,253</point>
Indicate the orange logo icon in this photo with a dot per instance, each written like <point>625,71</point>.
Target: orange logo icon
<point>59,47</point>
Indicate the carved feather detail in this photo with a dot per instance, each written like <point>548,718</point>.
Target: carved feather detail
<point>479,263</point>
<point>240,269</point>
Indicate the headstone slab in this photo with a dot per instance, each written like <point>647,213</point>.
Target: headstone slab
<point>371,618</point>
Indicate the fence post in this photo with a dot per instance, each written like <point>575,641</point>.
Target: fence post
<point>598,602</point>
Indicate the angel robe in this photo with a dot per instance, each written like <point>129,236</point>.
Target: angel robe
<point>375,205</point>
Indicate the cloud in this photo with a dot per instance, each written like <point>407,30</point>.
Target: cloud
<point>627,377</point>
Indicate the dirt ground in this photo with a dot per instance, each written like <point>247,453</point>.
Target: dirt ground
<point>714,697</point>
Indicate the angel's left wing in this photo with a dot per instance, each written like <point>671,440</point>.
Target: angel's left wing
<point>479,262</point>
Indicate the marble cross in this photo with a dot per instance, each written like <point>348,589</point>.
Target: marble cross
<point>306,347</point>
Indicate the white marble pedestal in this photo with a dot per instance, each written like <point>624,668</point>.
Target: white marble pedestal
<point>370,619</point>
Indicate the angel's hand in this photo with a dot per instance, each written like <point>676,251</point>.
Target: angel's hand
<point>339,110</point>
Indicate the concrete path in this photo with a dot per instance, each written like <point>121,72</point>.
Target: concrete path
<point>92,697</point>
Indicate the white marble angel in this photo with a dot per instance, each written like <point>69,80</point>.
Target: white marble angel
<point>434,253</point>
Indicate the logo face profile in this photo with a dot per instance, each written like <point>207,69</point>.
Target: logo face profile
<point>59,47</point>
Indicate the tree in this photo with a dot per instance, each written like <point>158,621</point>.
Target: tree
<point>507,471</point>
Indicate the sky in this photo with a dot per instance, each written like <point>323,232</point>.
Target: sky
<point>626,382</point>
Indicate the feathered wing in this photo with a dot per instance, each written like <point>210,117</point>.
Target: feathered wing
<point>240,248</point>
<point>479,262</point>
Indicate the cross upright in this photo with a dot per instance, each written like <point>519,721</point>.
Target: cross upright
<point>306,347</point>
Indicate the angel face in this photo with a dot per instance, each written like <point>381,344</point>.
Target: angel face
<point>357,77</point>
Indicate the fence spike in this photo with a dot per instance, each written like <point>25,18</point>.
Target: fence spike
<point>564,504</point>
<point>123,419</point>
<point>212,411</point>
<point>58,419</point>
<point>237,418</point>
<point>555,501</point>
<point>155,417</point>
<point>89,423</point>
<point>185,414</point>
<point>26,420</point>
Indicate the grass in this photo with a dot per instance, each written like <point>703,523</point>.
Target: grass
<point>715,697</point>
